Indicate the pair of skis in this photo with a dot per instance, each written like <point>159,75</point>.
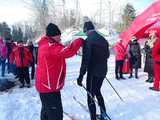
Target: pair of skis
<point>98,117</point>
<point>69,116</point>
<point>104,114</point>
<point>83,107</point>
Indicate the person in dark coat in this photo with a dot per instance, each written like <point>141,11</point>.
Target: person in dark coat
<point>148,61</point>
<point>31,48</point>
<point>94,62</point>
<point>134,57</point>
<point>10,46</point>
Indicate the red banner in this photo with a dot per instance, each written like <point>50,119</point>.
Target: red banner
<point>141,23</point>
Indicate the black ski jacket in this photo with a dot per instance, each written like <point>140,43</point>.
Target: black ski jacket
<point>95,55</point>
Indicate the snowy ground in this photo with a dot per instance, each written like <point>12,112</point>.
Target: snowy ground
<point>140,102</point>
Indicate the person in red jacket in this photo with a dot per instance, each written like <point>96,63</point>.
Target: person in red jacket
<point>22,57</point>
<point>156,68</point>
<point>51,71</point>
<point>3,56</point>
<point>120,55</point>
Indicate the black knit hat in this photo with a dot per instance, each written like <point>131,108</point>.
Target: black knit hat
<point>19,41</point>
<point>52,30</point>
<point>88,26</point>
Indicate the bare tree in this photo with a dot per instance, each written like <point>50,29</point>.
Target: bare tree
<point>45,11</point>
<point>40,12</point>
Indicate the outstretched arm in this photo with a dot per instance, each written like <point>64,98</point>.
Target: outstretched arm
<point>71,49</point>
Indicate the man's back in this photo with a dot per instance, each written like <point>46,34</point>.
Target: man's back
<point>96,49</point>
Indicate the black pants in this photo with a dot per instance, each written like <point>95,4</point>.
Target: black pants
<point>119,67</point>
<point>93,86</point>
<point>136,72</point>
<point>131,69</point>
<point>23,74</point>
<point>51,106</point>
<point>32,70</point>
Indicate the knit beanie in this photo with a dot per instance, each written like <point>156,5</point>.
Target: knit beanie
<point>52,30</point>
<point>88,26</point>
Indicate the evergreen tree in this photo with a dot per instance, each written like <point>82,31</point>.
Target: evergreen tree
<point>5,31</point>
<point>1,29</point>
<point>17,33</point>
<point>128,15</point>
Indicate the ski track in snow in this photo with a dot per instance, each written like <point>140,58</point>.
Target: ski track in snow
<point>140,102</point>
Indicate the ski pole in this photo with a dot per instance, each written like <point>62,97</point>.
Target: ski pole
<point>81,104</point>
<point>114,90</point>
<point>104,114</point>
<point>70,116</point>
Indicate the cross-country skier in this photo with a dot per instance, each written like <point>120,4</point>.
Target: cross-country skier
<point>94,62</point>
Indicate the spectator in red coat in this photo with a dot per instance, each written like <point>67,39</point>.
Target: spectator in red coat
<point>22,57</point>
<point>156,57</point>
<point>51,71</point>
<point>3,56</point>
<point>120,55</point>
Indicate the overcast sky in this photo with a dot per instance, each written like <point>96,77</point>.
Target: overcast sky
<point>13,11</point>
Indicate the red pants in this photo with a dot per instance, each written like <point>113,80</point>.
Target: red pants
<point>156,76</point>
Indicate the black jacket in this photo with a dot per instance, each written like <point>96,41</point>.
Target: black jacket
<point>9,48</point>
<point>95,55</point>
<point>32,51</point>
<point>135,53</point>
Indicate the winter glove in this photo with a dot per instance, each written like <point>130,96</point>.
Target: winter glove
<point>79,80</point>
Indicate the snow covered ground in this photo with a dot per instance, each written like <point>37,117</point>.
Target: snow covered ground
<point>140,102</point>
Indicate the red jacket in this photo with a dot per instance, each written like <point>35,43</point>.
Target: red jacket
<point>51,65</point>
<point>119,51</point>
<point>15,56</point>
<point>156,51</point>
<point>3,49</point>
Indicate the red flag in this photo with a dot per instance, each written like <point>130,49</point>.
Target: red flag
<point>142,32</point>
<point>142,22</point>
